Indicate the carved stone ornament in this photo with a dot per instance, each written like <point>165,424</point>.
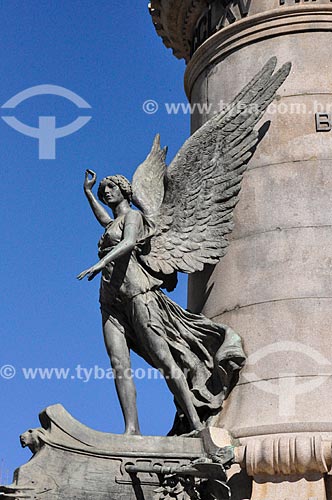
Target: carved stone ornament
<point>175,21</point>
<point>178,488</point>
<point>184,25</point>
<point>33,439</point>
<point>286,455</point>
<point>72,462</point>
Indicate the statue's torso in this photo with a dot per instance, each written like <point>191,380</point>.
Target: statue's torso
<point>125,278</point>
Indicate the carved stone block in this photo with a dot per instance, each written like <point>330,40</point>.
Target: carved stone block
<point>72,462</point>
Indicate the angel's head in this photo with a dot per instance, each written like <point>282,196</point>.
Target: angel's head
<point>115,180</point>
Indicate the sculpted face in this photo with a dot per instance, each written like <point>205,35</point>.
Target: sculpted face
<point>112,194</point>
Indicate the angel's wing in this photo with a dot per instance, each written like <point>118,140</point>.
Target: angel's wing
<point>148,180</point>
<point>203,181</point>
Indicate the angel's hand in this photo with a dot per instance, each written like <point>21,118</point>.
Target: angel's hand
<point>91,272</point>
<point>89,183</point>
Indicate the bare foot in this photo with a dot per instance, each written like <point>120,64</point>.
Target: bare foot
<point>132,432</point>
<point>195,432</point>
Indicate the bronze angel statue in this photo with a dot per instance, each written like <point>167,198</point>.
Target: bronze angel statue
<point>182,218</point>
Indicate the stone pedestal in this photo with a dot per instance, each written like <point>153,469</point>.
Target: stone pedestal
<point>274,286</point>
<point>73,462</point>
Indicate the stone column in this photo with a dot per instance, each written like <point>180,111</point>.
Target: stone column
<point>274,287</point>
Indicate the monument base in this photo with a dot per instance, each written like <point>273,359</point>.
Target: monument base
<point>71,461</point>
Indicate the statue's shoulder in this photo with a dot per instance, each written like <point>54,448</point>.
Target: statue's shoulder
<point>133,216</point>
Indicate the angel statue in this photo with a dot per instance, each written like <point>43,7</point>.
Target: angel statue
<point>184,214</point>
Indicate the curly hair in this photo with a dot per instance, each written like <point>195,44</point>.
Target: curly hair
<point>120,181</point>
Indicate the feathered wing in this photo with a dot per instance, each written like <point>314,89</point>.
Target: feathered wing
<point>204,179</point>
<point>148,180</point>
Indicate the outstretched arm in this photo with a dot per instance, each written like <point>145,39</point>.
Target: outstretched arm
<point>126,245</point>
<point>99,211</point>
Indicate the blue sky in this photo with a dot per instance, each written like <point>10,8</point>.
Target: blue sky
<point>109,54</point>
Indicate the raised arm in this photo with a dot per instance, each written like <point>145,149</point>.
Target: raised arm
<point>126,245</point>
<point>99,211</point>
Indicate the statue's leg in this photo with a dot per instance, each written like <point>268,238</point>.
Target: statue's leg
<point>162,358</point>
<point>174,377</point>
<point>118,352</point>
